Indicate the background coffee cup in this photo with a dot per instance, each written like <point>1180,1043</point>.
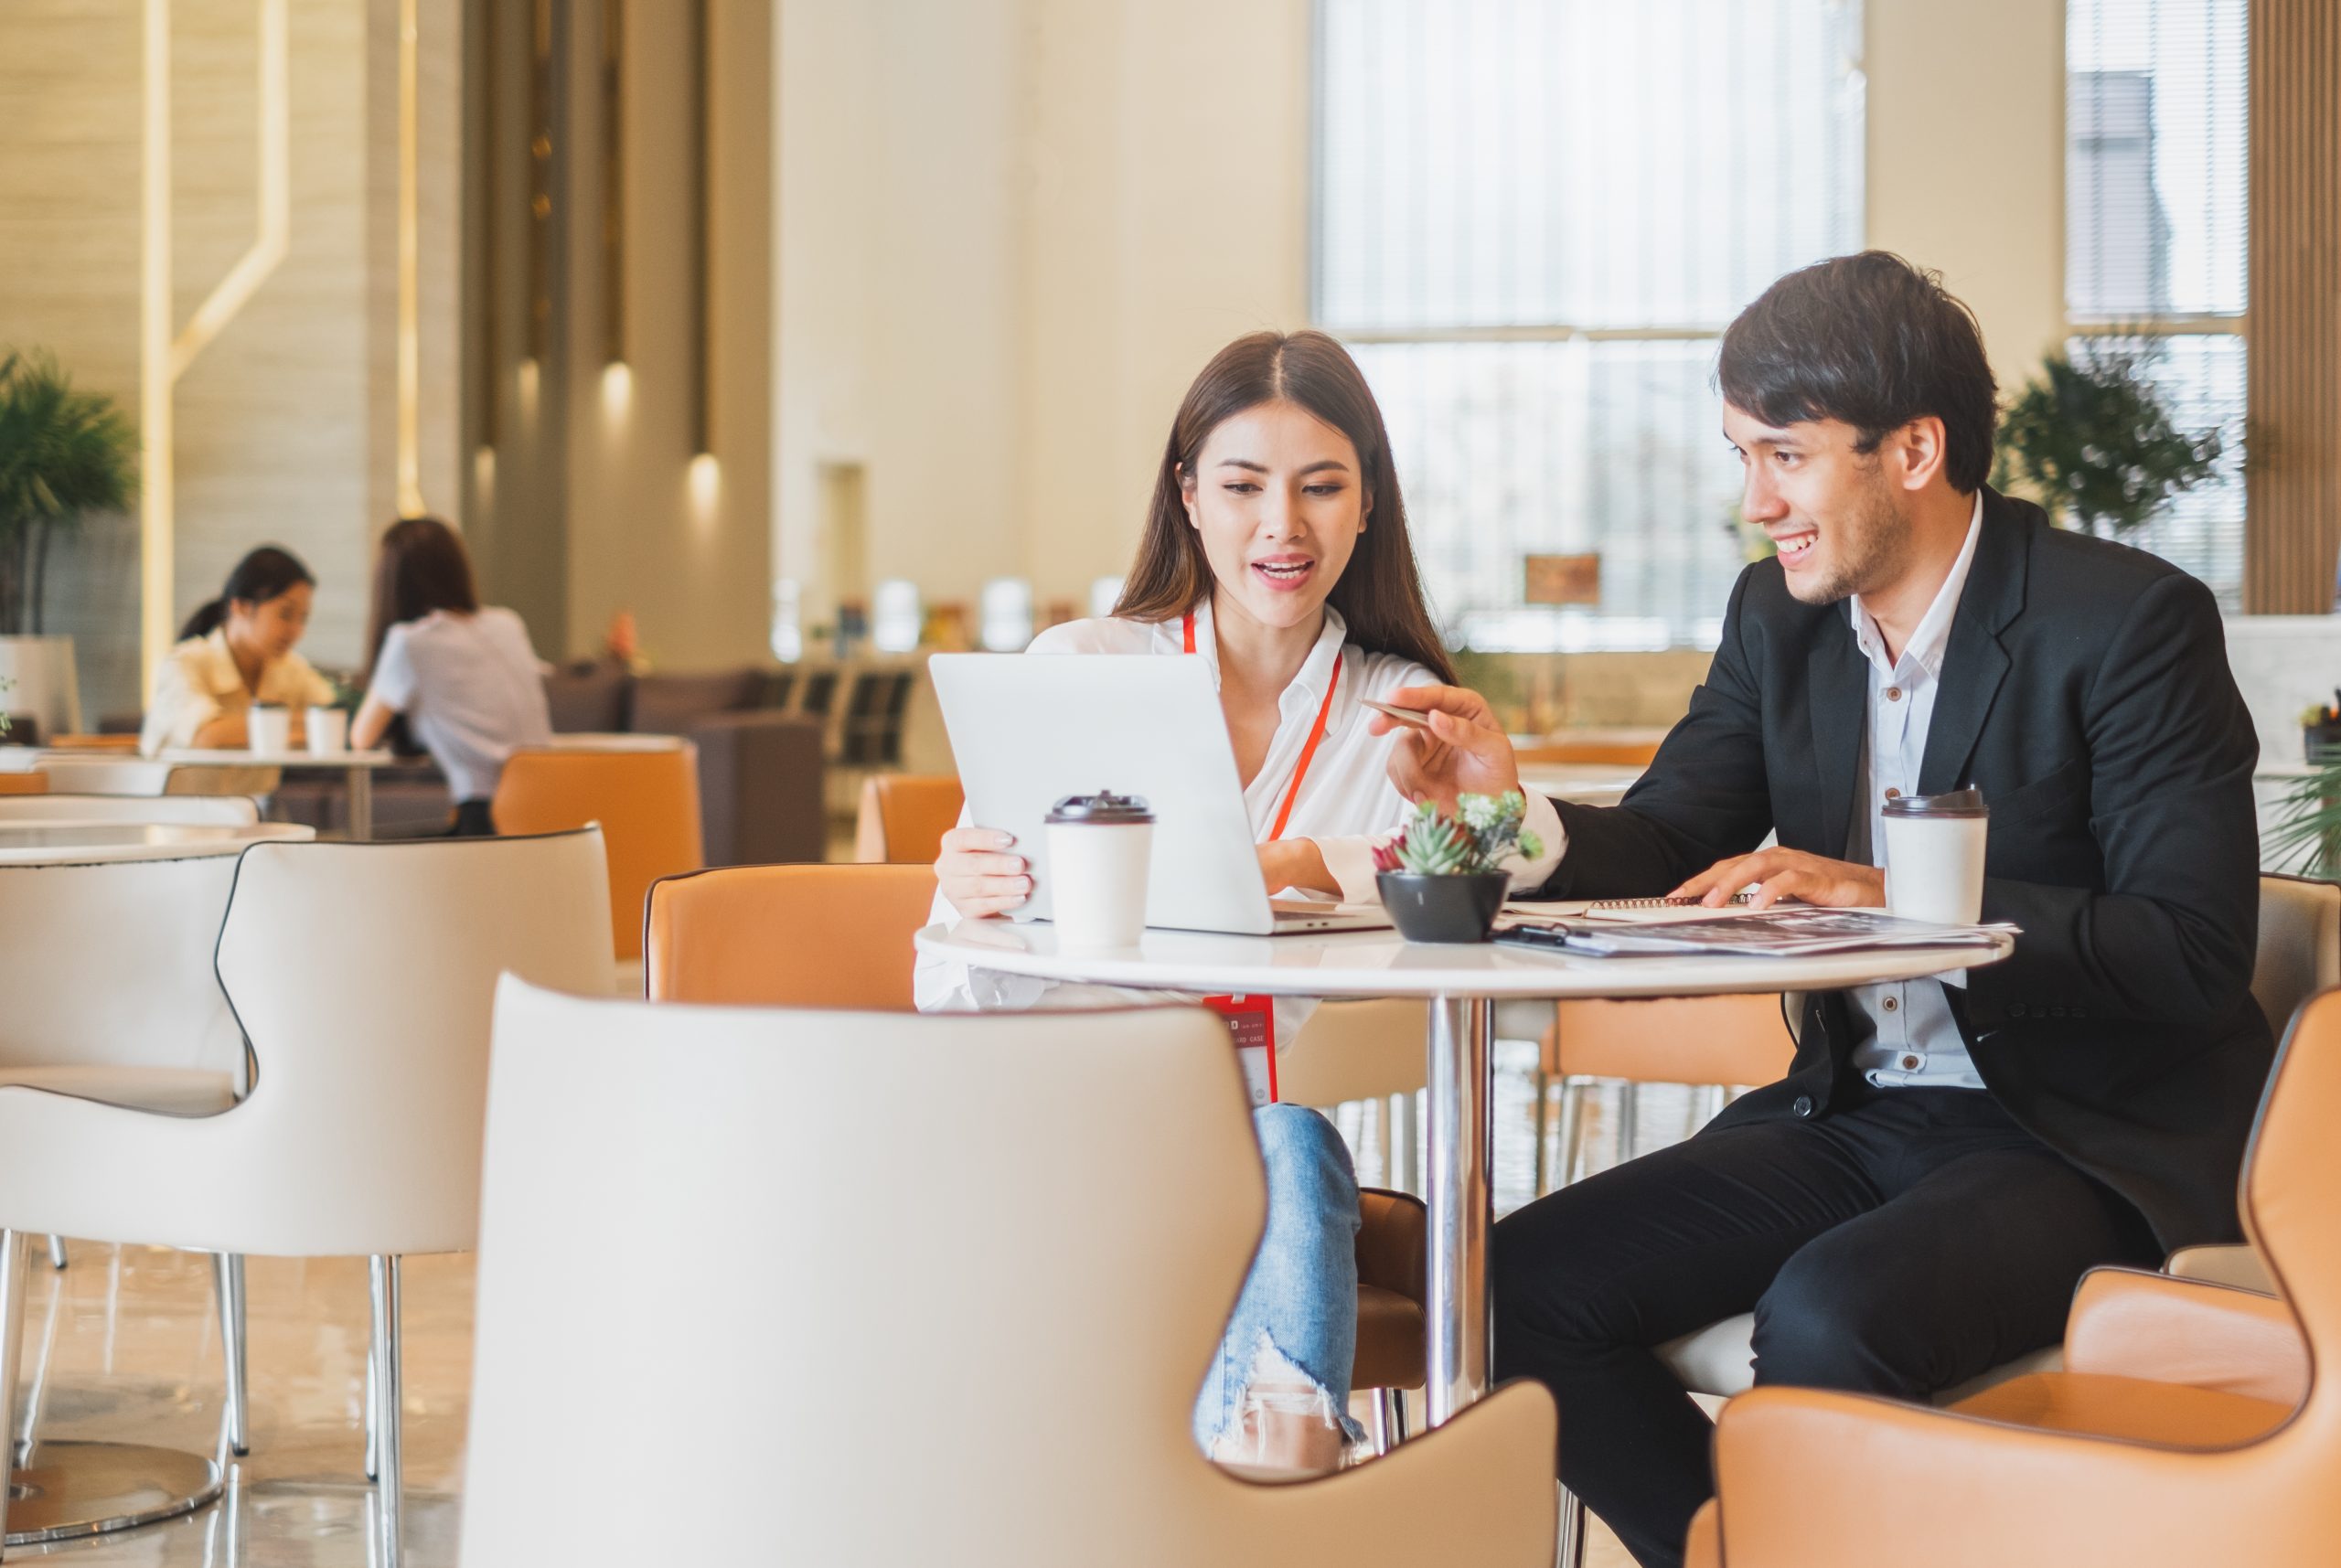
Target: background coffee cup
<point>329,730</point>
<point>1098,849</point>
<point>1934,855</point>
<point>269,728</point>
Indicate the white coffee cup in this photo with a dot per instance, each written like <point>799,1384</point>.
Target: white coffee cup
<point>1934,856</point>
<point>1098,849</point>
<point>268,729</point>
<point>328,731</point>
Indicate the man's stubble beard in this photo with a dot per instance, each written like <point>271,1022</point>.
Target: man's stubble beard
<point>1876,542</point>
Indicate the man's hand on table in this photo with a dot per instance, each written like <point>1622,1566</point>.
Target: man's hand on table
<point>1464,752</point>
<point>1788,874</point>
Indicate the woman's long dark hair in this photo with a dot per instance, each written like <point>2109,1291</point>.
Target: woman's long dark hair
<point>422,568</point>
<point>1380,595</point>
<point>269,572</point>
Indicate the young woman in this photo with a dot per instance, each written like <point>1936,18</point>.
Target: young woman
<point>1275,550</point>
<point>465,677</point>
<point>236,651</point>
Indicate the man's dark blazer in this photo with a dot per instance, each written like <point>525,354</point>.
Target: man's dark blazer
<point>2085,691</point>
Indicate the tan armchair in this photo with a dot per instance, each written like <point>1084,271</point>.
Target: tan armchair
<point>2188,1427</point>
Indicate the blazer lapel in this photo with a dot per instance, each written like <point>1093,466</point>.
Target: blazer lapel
<point>1974,663</point>
<point>1837,687</point>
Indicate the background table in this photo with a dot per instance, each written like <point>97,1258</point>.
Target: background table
<point>1461,983</point>
<point>85,843</point>
<point>357,767</point>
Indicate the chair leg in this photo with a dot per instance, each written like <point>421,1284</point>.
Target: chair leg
<point>1570,1550</point>
<point>1381,1421</point>
<point>16,1261</point>
<point>228,1269</point>
<point>1540,1172</point>
<point>385,1281</point>
<point>1572,1146</point>
<point>1628,1138</point>
<point>57,1259</point>
<point>1395,1411</point>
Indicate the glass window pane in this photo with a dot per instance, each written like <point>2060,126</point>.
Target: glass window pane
<point>2156,134</point>
<point>1565,447</point>
<point>2201,376</point>
<point>1507,163</point>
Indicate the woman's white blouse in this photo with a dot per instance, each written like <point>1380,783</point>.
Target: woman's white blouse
<point>1347,803</point>
<point>197,681</point>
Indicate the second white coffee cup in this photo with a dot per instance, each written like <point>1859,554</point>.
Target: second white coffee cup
<point>329,730</point>
<point>269,728</point>
<point>1934,856</point>
<point>1099,846</point>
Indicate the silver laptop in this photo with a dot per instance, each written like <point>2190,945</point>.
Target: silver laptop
<point>1027,730</point>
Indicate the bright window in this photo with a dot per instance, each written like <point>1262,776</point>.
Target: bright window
<point>2156,137</point>
<point>1533,220</point>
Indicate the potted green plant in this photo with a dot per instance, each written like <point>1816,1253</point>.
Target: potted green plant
<point>1442,878</point>
<point>2093,438</point>
<point>63,453</point>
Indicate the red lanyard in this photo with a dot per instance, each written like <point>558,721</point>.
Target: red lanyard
<point>1308,751</point>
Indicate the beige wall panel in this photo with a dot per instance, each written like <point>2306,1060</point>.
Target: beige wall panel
<point>272,419</point>
<point>1966,160</point>
<point>691,565</point>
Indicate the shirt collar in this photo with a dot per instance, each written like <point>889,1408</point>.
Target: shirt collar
<point>1307,687</point>
<point>1933,638</point>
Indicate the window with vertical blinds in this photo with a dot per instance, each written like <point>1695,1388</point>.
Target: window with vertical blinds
<point>1533,218</point>
<point>2157,131</point>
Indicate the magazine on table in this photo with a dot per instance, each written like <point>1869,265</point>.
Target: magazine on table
<point>1783,931</point>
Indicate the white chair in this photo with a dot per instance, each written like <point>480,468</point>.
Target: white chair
<point>975,1352</point>
<point>205,810</point>
<point>362,974</point>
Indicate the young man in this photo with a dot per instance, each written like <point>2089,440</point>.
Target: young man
<point>1912,1205</point>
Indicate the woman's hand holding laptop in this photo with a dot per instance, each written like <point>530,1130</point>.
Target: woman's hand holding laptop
<point>981,876</point>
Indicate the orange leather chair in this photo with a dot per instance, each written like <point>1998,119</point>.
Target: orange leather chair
<point>839,936</point>
<point>1712,1041</point>
<point>2194,1424</point>
<point>904,817</point>
<point>647,801</point>
<point>791,936</point>
<point>23,783</point>
<point>125,744</point>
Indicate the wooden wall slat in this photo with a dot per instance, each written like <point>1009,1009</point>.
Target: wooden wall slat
<point>2293,528</point>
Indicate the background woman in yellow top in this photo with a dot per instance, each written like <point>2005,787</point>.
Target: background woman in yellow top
<point>237,651</point>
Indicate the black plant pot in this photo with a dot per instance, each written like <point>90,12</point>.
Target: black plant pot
<point>2321,740</point>
<point>1444,909</point>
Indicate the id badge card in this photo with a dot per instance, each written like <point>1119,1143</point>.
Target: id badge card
<point>1251,1023</point>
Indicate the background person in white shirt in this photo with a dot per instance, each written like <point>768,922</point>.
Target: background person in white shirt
<point>1275,550</point>
<point>236,651</point>
<point>465,677</point>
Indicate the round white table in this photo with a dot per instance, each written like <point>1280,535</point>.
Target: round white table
<point>1461,983</point>
<point>358,767</point>
<point>89,843</point>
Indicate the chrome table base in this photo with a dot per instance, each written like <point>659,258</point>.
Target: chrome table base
<point>75,1488</point>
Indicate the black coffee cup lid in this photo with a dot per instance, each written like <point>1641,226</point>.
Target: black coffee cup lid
<point>1104,808</point>
<point>1968,802</point>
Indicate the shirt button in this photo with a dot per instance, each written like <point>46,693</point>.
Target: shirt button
<point>1892,794</point>
<point>1893,694</point>
<point>1910,1064</point>
<point>1891,1004</point>
<point>1803,1106</point>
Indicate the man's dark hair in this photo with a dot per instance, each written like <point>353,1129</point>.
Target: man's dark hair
<point>1870,340</point>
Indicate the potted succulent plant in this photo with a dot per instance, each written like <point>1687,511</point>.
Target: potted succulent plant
<point>1442,878</point>
<point>63,453</point>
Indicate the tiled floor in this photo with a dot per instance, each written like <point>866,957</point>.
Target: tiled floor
<point>131,1342</point>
